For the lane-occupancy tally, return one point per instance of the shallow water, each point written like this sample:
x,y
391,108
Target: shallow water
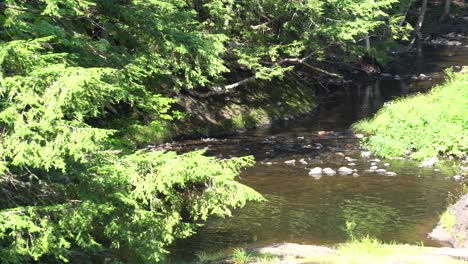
x,y
304,209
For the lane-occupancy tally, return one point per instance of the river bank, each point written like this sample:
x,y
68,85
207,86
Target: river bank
x,y
360,251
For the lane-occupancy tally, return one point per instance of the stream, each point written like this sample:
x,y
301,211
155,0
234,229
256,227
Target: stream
x,y
314,210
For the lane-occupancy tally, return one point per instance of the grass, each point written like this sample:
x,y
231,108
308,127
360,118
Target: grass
x,y
428,125
372,251
240,256
448,220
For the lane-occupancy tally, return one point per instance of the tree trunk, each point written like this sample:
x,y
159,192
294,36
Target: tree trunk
x,y
447,5
419,25
368,46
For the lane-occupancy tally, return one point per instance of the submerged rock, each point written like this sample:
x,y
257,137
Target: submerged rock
x,y
329,171
345,171
454,227
315,171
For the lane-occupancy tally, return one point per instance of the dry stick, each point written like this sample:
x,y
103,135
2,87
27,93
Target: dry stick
x,y
222,90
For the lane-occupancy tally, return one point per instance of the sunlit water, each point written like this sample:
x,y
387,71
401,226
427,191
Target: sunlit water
x,y
304,209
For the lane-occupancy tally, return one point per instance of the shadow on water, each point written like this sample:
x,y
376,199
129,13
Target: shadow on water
x,y
314,210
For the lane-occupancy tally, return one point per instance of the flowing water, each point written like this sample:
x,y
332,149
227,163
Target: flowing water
x,y
314,210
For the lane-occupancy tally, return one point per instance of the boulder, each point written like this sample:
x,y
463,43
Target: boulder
x,y
456,232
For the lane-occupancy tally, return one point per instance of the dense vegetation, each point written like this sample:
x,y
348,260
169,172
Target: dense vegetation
x,y
424,125
71,71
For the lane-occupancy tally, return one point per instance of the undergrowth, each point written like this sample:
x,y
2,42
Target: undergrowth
x,y
424,125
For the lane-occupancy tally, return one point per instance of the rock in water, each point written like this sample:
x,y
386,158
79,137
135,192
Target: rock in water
x,y
430,162
345,171
290,162
458,235
303,161
329,171
315,171
365,154
390,173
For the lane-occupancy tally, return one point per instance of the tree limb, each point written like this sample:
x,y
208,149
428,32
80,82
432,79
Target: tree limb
x,y
218,90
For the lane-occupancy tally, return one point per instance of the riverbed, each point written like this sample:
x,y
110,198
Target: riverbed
x,y
401,206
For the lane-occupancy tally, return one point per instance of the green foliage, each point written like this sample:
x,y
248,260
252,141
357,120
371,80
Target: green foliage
x,y
71,70
448,220
427,125
240,256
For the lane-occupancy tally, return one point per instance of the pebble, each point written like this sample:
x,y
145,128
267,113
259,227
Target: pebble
x,y
430,162
375,160
373,164
386,164
290,162
268,163
390,173
373,168
381,171
315,171
300,137
351,164
329,171
359,136
339,154
437,170
355,174
302,161
457,177
350,159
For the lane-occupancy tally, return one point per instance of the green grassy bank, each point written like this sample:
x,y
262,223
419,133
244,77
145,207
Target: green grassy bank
x,y
424,125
